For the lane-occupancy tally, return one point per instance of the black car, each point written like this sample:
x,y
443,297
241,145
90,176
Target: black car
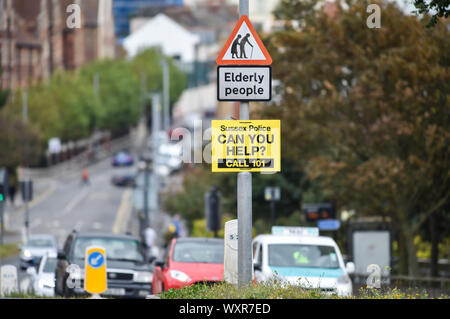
x,y
126,180
129,274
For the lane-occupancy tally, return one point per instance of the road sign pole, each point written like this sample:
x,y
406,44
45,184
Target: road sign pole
x,y
156,127
272,212
166,94
146,186
244,207
244,197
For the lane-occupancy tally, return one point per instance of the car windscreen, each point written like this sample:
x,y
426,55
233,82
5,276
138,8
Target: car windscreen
x,y
50,265
198,252
297,255
115,248
40,242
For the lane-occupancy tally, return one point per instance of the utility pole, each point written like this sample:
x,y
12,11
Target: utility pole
x,y
3,199
166,94
96,84
26,177
244,197
143,93
156,128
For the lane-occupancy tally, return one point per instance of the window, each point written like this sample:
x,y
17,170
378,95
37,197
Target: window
x,y
40,242
198,252
50,265
119,249
260,255
296,255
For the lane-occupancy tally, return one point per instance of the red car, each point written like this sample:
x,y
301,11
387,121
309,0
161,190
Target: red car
x,y
189,261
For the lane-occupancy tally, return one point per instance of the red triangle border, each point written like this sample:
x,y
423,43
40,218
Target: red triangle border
x,y
221,61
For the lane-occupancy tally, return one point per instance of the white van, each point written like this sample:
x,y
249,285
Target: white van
x,y
299,256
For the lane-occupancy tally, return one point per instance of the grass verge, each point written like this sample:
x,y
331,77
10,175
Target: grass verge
x,y
278,291
8,250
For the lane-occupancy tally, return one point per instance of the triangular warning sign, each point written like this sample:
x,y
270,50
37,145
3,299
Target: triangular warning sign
x,y
244,47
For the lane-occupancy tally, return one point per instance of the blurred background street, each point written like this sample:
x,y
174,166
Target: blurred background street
x,y
105,107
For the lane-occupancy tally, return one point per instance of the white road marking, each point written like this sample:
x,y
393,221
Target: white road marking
x,y
99,196
44,195
75,200
123,212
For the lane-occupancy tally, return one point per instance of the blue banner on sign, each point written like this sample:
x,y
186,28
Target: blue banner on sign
x,y
328,224
96,259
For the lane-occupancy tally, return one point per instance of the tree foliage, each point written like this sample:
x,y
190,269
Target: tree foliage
x,y
18,143
70,105
366,112
437,9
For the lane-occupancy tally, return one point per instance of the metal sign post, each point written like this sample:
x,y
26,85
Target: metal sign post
x,y
244,75
244,194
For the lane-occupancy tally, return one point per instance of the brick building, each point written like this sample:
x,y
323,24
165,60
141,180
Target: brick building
x,y
35,39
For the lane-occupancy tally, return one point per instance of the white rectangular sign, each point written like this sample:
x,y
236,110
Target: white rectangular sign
x,y
8,280
244,83
230,264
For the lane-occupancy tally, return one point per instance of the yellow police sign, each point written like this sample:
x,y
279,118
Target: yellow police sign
x,y
95,281
252,146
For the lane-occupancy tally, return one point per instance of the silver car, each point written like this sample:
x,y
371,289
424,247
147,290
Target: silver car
x,y
44,277
36,247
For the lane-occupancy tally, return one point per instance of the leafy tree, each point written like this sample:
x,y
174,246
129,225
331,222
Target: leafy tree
x,y
18,143
189,202
148,64
3,94
60,108
438,8
365,112
118,95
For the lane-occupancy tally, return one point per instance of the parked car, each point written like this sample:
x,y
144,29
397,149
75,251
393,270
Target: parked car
x,y
36,247
44,277
310,261
122,159
128,273
126,180
189,261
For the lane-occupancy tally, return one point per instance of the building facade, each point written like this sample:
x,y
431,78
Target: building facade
x,y
36,38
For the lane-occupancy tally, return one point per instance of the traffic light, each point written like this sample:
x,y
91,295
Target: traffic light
x,y
3,184
212,210
319,211
27,191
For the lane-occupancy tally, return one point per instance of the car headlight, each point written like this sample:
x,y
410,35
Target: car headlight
x,y
27,253
46,283
344,280
143,276
179,275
